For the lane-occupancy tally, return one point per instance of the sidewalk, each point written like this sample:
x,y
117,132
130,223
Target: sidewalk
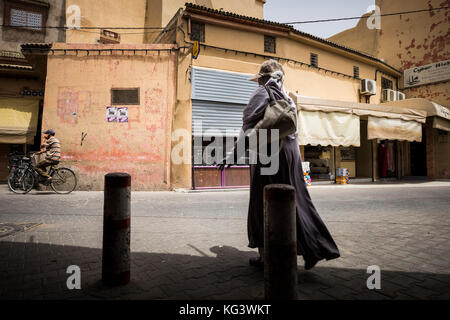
x,y
352,185
194,245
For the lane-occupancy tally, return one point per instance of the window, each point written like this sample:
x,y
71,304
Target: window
x,y
20,18
386,83
125,96
26,15
269,44
314,60
198,32
356,72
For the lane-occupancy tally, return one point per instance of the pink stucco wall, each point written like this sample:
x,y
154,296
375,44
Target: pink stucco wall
x,y
77,93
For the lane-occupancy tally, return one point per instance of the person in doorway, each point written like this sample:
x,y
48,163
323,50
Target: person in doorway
x,y
314,242
52,149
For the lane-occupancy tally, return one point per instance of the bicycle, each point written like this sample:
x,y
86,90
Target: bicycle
x,y
22,176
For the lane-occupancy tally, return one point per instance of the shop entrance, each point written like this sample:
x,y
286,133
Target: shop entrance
x,y
320,162
418,151
387,159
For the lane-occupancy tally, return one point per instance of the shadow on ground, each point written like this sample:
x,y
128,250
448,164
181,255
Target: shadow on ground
x,y
38,271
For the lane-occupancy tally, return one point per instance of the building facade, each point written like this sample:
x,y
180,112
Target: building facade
x,y
212,89
417,44
149,103
22,82
111,107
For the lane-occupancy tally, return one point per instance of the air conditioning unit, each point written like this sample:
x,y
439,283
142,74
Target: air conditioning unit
x,y
368,87
389,95
401,95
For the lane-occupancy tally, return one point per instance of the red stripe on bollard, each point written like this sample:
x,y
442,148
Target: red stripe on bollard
x,y
119,224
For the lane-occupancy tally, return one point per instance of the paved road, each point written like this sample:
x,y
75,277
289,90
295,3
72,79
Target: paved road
x,y
194,245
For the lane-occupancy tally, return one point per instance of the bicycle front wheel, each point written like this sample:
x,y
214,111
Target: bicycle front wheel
x,y
21,181
63,180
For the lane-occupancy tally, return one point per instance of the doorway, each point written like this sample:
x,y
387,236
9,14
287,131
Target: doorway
x,y
418,152
387,159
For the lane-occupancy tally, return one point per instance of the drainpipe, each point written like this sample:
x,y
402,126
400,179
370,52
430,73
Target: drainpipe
x,y
189,26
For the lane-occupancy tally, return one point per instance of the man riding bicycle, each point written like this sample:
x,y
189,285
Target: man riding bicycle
x,y
52,149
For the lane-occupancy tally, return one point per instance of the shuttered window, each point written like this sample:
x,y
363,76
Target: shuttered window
x,y
356,72
28,15
386,83
269,44
22,18
314,60
218,101
198,32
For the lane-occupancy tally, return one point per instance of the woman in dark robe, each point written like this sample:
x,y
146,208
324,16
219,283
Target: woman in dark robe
x,y
314,242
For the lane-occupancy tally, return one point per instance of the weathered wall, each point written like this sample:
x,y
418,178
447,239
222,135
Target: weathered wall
x,y
182,118
78,90
106,13
418,39
160,12
436,92
143,13
359,37
252,8
407,41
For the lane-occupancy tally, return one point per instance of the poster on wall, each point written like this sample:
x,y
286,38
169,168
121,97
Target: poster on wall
x,y
122,114
434,72
111,114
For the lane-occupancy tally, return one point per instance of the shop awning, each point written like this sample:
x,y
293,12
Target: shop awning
x,y
393,129
328,128
442,124
432,108
440,114
18,120
404,122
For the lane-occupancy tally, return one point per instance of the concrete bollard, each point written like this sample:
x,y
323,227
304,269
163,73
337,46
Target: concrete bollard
x,y
280,243
116,229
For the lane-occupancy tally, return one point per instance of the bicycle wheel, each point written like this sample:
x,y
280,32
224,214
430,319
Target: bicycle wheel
x,y
21,181
63,180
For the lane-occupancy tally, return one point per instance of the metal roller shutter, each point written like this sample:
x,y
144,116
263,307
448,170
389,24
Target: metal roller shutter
x,y
211,118
218,100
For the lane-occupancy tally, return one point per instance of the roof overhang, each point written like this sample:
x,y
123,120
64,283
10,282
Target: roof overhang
x,y
432,108
337,123
235,21
361,109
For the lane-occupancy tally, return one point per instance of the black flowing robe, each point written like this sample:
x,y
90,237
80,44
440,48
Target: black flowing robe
x,y
314,241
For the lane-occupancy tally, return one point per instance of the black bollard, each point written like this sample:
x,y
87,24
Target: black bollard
x,y
116,229
280,243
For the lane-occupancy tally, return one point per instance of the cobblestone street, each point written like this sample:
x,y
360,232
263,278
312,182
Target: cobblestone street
x,y
194,245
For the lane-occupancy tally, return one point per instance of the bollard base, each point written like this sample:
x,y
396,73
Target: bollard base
x,y
120,279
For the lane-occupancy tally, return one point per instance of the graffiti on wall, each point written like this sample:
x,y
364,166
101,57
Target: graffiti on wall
x,y
154,104
72,103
